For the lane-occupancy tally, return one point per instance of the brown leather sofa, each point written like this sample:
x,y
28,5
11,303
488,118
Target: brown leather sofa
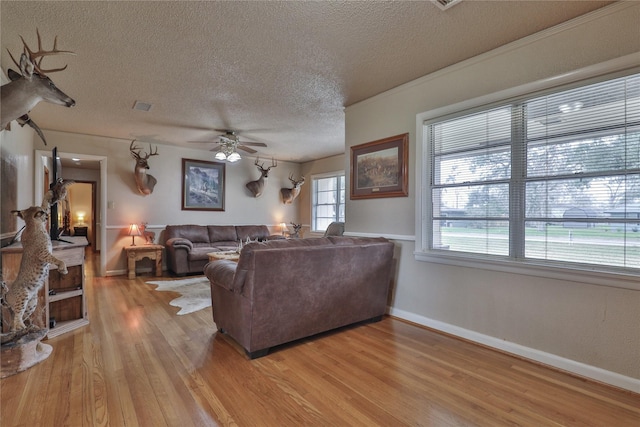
x,y
187,246
283,290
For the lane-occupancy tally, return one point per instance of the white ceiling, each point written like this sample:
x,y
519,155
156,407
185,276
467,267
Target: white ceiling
x,y
278,72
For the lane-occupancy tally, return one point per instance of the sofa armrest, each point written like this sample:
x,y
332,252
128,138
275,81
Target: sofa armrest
x,y
179,242
221,273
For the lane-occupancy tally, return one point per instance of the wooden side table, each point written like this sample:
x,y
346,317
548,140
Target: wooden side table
x,y
137,253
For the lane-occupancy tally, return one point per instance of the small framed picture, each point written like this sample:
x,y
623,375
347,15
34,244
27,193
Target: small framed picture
x,y
379,168
203,185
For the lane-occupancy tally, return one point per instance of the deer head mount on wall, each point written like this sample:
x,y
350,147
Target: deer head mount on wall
x,y
30,87
144,181
290,194
257,187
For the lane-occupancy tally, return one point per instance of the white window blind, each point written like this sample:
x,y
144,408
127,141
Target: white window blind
x,y
553,177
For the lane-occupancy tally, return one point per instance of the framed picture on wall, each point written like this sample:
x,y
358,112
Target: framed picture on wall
x,y
203,185
379,168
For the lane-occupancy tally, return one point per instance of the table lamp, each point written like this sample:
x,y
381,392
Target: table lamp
x,y
134,231
284,228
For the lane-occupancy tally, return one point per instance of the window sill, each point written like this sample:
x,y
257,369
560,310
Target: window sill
x,y
582,274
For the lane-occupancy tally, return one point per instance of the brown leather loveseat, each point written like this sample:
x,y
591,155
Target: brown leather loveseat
x,y
283,290
187,246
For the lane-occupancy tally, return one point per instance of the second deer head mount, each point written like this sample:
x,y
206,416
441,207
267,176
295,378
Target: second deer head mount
x,y
257,187
290,194
144,181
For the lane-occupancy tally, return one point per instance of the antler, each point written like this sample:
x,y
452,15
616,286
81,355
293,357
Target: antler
x,y
295,182
274,163
40,53
135,154
151,152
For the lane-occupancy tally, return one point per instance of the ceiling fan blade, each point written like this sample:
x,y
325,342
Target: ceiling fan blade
x,y
247,149
253,144
202,142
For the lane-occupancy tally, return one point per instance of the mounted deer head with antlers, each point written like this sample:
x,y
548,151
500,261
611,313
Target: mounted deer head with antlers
x,y
144,181
30,87
290,194
257,187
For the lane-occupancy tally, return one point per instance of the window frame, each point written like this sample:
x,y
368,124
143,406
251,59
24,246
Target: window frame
x,y
314,179
590,274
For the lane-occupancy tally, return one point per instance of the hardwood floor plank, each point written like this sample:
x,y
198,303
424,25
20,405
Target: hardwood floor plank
x,y
139,364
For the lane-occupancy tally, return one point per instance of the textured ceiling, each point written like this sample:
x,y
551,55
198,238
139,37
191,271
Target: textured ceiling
x,y
278,72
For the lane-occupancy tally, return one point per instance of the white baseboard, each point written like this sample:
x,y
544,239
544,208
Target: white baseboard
x,y
595,373
116,273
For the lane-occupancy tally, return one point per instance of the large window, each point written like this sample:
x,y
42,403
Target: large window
x,y
552,178
327,200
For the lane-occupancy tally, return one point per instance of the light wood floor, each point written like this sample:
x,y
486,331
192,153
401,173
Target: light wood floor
x,y
138,364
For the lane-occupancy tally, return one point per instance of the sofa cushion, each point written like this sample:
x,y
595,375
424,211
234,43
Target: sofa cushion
x,y
222,233
195,233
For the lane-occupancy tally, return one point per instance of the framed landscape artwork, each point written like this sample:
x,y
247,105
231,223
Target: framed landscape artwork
x,y
379,168
203,185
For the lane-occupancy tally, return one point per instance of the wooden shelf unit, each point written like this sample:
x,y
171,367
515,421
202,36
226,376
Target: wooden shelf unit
x,y
63,296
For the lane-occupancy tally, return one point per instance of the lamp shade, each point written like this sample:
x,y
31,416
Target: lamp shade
x,y
220,156
134,231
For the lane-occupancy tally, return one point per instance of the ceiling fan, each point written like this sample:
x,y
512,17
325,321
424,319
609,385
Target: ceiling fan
x,y
229,143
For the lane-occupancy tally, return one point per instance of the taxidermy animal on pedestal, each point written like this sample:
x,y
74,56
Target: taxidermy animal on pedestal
x,y
22,296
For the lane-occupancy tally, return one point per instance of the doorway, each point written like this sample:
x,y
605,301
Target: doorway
x,y
43,159
82,206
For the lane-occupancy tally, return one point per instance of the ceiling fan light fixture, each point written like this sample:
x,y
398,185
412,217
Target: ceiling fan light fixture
x,y
220,156
233,157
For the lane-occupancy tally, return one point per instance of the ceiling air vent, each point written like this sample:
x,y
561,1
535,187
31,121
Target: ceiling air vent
x,y
141,106
446,4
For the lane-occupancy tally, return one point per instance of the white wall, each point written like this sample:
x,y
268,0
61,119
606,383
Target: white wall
x,y
125,205
588,329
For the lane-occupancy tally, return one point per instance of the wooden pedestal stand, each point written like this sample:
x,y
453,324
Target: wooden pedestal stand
x,y
17,356
62,298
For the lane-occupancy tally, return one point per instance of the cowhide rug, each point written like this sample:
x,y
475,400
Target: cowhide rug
x,y
195,293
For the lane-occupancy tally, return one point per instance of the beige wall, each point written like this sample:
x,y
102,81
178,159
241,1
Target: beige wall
x,y
589,329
